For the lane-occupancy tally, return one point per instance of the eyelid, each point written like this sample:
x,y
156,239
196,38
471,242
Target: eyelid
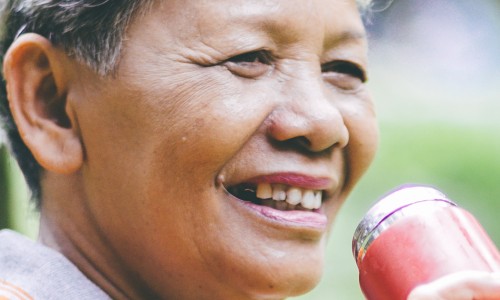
x,y
251,56
250,64
345,67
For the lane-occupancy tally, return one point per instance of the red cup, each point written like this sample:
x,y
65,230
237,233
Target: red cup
x,y
414,235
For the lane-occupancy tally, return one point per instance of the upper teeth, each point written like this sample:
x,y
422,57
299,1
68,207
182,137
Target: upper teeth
x,y
310,199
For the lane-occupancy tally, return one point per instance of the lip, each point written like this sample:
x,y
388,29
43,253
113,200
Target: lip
x,y
309,223
295,179
313,222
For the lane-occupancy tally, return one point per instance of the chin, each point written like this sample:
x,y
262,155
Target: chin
x,y
296,286
283,281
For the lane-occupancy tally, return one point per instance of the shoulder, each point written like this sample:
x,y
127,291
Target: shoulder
x,y
29,270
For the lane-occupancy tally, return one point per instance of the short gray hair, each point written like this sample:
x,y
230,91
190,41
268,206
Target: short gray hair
x,y
90,31
364,5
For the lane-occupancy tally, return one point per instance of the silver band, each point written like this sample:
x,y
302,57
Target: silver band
x,y
392,207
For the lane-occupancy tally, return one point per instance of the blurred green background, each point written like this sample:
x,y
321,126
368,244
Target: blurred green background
x,y
435,75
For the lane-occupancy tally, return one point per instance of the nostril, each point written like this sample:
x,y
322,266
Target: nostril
x,y
302,142
303,145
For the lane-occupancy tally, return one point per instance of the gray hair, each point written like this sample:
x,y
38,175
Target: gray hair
x,y
90,31
364,4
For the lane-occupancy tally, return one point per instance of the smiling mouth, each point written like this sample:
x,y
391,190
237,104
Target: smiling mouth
x,y
278,196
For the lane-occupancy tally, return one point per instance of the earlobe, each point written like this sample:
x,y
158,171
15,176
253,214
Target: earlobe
x,y
36,75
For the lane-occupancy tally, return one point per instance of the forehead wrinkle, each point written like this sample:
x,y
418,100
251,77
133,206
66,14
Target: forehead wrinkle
x,y
266,19
351,31
345,37
286,25
292,25
231,30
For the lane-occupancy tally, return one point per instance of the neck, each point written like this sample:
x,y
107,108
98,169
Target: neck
x,y
67,226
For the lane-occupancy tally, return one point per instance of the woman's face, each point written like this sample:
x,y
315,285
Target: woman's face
x,y
216,108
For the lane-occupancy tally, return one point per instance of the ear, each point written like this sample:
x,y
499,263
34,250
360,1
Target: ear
x,y
37,76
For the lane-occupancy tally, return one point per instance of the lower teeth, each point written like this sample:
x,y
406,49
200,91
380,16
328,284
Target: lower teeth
x,y
281,205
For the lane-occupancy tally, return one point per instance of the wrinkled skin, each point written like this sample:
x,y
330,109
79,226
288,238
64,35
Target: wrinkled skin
x,y
137,164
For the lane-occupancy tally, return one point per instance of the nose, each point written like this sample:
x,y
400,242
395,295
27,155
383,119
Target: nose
x,y
308,116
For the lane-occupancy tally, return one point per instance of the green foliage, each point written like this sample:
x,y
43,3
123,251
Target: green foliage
x,y
462,161
16,211
4,189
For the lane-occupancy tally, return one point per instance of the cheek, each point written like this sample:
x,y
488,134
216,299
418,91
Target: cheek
x,y
167,142
202,129
360,119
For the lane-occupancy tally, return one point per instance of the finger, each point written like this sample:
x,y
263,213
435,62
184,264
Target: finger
x,y
469,285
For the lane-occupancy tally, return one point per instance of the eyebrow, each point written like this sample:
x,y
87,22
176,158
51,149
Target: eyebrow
x,y
346,36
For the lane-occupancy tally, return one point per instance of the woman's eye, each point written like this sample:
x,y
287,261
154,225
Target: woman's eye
x,y
344,75
250,64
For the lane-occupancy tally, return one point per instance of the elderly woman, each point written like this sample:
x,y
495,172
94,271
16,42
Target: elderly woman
x,y
186,149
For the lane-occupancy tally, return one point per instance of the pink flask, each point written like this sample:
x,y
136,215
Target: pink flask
x,y
414,235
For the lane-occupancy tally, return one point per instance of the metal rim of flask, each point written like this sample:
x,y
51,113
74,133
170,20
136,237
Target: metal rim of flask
x,y
398,203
